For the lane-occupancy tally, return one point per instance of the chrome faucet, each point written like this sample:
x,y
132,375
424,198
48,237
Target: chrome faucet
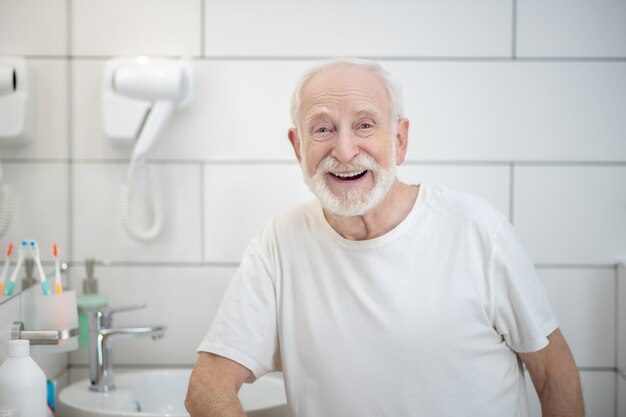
x,y
102,335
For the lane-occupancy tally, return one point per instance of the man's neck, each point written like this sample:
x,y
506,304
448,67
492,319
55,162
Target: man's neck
x,y
383,218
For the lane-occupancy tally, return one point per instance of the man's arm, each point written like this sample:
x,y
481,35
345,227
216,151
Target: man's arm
x,y
555,377
213,387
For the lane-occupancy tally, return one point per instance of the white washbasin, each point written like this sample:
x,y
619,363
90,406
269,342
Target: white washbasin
x,y
160,393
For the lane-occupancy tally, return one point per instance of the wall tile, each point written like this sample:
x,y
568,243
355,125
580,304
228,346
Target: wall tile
x,y
571,214
40,204
97,228
239,199
52,364
488,182
323,28
467,111
144,27
50,131
584,304
621,319
164,290
19,18
515,111
621,396
598,394
10,311
565,28
240,110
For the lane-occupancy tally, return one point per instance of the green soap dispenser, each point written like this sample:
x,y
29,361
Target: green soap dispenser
x,y
87,301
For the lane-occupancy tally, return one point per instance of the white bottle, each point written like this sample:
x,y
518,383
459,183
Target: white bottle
x,y
22,382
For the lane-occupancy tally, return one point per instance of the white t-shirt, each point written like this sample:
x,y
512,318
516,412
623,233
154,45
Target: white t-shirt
x,y
422,321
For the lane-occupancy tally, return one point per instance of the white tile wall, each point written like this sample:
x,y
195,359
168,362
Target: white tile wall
x,y
571,214
40,206
621,319
10,311
598,395
621,396
465,111
238,199
512,111
136,27
584,304
489,182
571,28
97,228
19,18
224,121
353,27
49,81
185,299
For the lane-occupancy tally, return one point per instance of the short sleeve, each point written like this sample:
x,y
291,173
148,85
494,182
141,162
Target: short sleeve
x,y
522,312
244,329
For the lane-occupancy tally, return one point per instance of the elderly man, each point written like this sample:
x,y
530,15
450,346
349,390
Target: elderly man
x,y
381,298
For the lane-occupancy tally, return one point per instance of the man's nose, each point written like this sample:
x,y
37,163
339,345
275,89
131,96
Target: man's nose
x,y
346,147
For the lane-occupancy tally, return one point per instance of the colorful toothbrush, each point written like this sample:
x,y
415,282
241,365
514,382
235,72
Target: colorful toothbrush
x,y
20,258
42,276
58,287
7,262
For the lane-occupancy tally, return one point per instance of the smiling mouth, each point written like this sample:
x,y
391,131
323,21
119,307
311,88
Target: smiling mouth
x,y
348,176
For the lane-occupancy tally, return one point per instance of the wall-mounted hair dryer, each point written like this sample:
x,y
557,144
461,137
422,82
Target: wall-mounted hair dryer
x,y
138,98
16,120
16,101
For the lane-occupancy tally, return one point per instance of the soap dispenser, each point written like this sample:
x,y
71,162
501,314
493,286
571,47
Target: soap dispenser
x,y
89,300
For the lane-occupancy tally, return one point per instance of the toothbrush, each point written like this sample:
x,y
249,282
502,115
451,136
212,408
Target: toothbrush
x,y
58,288
20,258
7,262
42,276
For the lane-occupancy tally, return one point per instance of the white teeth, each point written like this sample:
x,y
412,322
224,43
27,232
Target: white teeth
x,y
348,174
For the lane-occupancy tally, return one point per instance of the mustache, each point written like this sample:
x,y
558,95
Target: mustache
x,y
362,161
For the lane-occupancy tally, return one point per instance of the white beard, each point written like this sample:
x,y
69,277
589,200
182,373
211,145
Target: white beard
x,y
353,202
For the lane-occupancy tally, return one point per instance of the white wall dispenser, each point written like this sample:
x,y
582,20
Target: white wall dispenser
x,y
16,120
139,96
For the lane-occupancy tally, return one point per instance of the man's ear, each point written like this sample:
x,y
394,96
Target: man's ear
x,y
294,139
402,138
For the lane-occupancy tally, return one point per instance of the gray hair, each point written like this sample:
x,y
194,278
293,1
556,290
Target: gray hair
x,y
393,90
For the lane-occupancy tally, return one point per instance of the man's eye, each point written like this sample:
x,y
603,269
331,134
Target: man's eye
x,y
322,130
365,126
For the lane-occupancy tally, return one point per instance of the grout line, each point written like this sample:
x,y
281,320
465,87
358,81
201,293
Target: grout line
x,y
157,264
70,142
202,212
226,58
514,31
202,27
511,192
596,369
621,374
204,263
118,161
608,267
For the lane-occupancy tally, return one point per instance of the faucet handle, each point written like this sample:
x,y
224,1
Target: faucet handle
x,y
105,315
107,312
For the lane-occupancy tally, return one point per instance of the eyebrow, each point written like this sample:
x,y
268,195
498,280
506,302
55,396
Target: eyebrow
x,y
318,111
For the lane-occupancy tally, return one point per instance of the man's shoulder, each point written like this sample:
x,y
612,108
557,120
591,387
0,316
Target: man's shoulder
x,y
462,206
293,219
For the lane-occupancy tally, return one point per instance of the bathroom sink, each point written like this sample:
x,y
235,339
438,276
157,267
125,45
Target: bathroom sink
x,y
160,393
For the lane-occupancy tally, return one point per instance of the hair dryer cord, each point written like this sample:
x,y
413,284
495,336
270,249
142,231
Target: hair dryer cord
x,y
132,229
